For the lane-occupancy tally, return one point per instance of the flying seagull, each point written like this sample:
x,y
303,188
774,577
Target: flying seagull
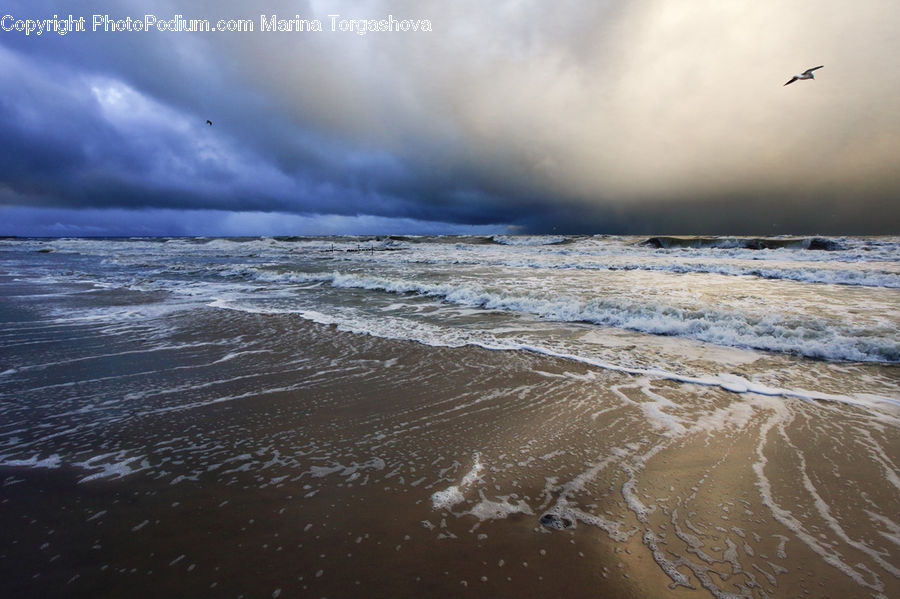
x,y
209,122
807,74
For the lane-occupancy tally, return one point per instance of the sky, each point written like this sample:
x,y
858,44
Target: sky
x,y
515,116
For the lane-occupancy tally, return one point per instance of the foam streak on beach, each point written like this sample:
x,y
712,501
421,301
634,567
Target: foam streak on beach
x,y
450,416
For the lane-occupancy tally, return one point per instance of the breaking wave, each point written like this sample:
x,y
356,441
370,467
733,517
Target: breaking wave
x,y
529,239
807,335
748,243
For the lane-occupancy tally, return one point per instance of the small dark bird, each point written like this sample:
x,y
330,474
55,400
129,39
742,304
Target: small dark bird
x,y
209,122
807,74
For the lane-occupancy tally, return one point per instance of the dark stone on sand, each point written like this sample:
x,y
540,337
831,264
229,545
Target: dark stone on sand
x,y
556,522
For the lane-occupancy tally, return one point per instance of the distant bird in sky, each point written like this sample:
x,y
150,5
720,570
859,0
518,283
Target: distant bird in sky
x,y
807,74
209,122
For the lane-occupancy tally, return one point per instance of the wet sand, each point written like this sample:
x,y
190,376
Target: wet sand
x,y
223,454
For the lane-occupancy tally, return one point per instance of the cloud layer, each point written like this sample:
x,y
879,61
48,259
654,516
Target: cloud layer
x,y
584,117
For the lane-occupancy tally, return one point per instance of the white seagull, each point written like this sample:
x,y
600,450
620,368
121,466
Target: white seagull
x,y
807,74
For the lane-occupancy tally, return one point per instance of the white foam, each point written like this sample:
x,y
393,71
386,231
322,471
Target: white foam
x,y
352,471
893,532
121,466
138,527
433,335
452,495
52,461
444,500
669,567
528,240
770,331
824,510
822,548
611,527
487,509
741,266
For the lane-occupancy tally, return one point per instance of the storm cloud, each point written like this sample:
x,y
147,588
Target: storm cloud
x,y
600,117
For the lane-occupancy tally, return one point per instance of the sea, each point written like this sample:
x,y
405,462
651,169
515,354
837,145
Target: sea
x,y
505,416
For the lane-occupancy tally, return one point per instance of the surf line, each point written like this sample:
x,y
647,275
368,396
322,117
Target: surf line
x,y
734,385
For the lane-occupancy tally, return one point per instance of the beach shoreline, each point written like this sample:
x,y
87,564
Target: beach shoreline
x,y
337,472
264,417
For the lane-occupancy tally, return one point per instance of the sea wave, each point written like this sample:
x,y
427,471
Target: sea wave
x,y
529,239
809,336
439,336
749,243
829,273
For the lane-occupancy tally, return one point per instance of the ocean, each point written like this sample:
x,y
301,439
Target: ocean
x,y
504,416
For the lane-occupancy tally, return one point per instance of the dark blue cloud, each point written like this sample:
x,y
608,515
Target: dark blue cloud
x,y
79,133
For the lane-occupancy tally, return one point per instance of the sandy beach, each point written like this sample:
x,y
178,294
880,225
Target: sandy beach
x,y
264,456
